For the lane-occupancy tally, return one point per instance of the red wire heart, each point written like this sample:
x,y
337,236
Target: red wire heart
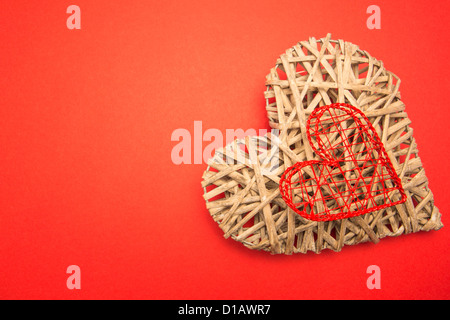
x,y
355,176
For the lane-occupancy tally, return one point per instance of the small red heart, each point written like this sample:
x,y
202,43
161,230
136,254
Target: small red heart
x,y
355,176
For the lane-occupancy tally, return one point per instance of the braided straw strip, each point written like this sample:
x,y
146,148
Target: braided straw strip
x,y
241,182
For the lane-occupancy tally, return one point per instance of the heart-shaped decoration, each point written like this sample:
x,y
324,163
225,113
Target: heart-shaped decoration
x,y
355,176
241,184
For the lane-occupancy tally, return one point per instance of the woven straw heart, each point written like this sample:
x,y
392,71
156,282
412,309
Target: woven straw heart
x,y
241,184
356,176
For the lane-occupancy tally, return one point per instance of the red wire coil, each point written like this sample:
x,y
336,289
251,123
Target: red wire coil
x,y
355,176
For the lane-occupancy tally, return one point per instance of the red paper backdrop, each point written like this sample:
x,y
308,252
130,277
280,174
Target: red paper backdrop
x,y
86,118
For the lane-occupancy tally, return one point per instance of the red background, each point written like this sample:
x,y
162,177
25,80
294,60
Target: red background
x,y
86,117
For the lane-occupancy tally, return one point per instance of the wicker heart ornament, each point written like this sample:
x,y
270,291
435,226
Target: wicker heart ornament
x,y
356,175
242,181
